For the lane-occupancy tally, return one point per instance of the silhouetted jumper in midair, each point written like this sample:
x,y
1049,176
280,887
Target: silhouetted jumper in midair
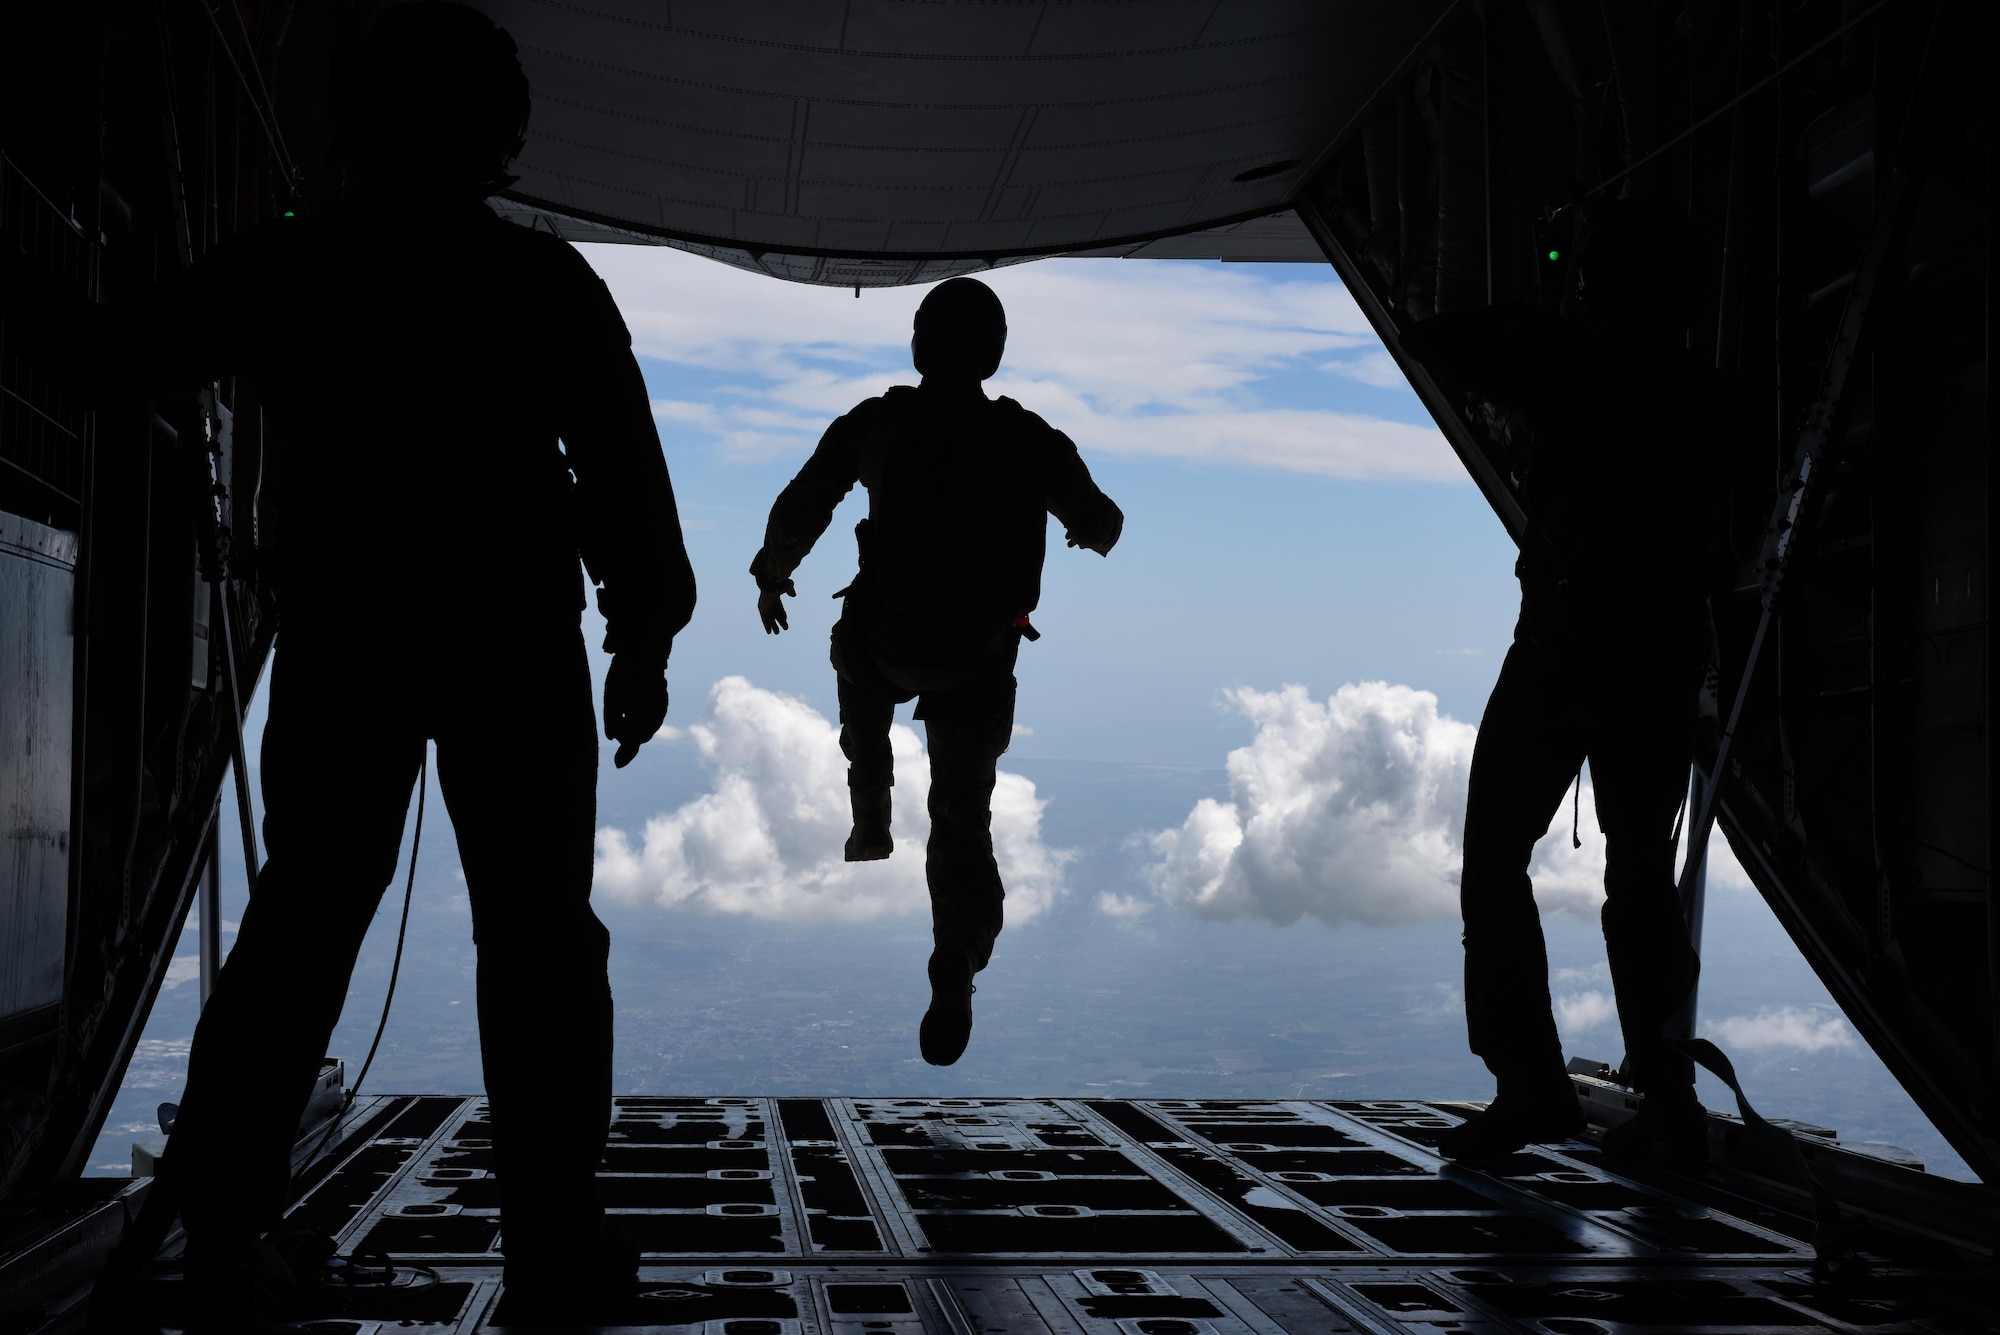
x,y
960,488
456,415
1634,458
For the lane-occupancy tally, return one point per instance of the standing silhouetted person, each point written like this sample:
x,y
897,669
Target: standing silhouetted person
x,y
1632,449
456,415
960,488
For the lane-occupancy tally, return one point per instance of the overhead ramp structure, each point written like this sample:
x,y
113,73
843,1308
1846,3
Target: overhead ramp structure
x,y
876,144
1835,162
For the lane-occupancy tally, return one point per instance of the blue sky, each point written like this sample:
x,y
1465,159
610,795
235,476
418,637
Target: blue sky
x,y
1292,514
1229,818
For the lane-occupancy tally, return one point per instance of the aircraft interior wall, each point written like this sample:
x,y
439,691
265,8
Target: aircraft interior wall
x,y
1833,167
128,146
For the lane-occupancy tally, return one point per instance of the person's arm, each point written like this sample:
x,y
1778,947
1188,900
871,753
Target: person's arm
x,y
630,527
1090,519
803,510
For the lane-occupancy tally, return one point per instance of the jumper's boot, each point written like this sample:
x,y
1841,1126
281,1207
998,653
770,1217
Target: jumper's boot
x,y
870,840
1670,1129
1523,1112
947,1025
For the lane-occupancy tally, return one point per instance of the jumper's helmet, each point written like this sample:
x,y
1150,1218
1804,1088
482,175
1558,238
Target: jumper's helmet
x,y
434,95
961,330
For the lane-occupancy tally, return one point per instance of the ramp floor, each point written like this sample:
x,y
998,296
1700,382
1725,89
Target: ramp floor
x,y
883,1216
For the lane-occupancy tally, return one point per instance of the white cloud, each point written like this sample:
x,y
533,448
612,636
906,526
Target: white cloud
x,y
1155,359
766,840
1350,810
181,969
1596,973
1782,1027
1296,440
1583,1011
1371,368
1114,905
1568,877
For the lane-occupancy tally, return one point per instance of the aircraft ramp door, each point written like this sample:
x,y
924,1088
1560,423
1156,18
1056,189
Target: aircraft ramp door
x,y
885,1216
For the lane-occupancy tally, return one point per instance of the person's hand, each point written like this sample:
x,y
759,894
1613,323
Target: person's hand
x,y
635,704
1107,535
771,608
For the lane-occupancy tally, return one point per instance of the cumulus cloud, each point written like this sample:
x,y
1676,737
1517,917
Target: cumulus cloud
x,y
1596,973
1114,905
1568,865
1151,359
1580,1012
1580,1009
1349,810
766,839
1778,1028
1295,440
1583,999
1371,368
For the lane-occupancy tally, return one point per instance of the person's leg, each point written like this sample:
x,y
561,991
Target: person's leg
x,y
867,711
1639,761
1526,757
865,718
340,754
523,799
967,731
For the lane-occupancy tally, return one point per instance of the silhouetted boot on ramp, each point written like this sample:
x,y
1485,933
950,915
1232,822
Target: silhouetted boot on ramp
x,y
1522,1113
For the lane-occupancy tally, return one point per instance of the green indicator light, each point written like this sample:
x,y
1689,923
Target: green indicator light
x,y
290,214
1554,255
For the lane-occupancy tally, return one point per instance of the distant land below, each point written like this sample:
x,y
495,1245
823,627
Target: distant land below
x,y
1076,1002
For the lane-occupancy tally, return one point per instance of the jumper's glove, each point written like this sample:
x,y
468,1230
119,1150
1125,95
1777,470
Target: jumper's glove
x,y
635,703
1109,529
771,606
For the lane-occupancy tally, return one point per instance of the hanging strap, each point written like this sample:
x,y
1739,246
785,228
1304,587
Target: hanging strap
x,y
1834,1240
